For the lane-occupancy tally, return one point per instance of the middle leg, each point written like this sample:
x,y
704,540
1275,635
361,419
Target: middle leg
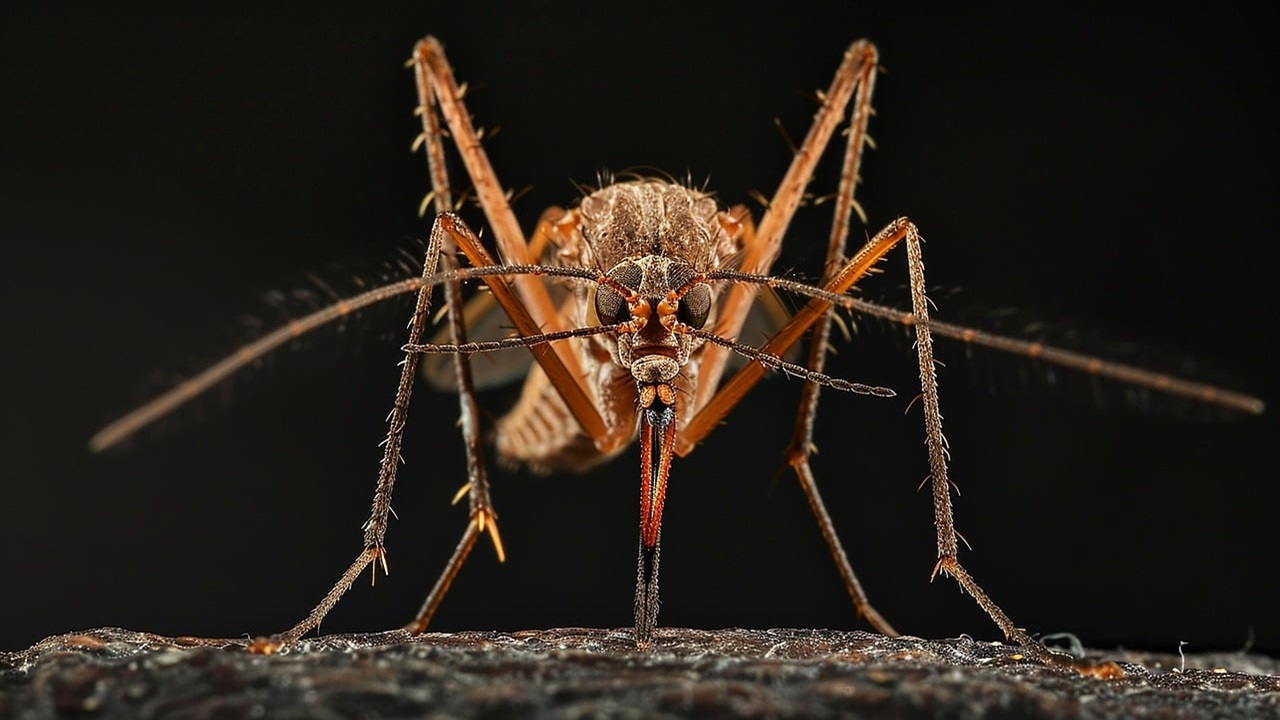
x,y
802,446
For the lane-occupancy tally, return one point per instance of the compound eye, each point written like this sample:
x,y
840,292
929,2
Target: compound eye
x,y
695,306
611,306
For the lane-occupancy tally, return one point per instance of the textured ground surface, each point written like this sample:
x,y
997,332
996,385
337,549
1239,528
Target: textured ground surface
x,y
600,673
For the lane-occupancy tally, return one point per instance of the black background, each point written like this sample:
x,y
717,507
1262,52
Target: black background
x,y
1112,173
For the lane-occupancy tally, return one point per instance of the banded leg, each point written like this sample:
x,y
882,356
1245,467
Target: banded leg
x,y
714,401
899,231
447,229
482,514
745,379
525,299
856,73
375,529
943,519
732,391
480,506
798,453
801,446
858,65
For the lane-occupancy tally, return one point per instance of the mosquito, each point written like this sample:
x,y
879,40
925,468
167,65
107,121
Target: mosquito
x,y
630,303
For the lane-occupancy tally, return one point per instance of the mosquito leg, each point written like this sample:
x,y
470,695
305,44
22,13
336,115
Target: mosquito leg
x,y
482,515
438,591
802,437
528,306
525,299
841,217
745,379
857,66
375,529
859,596
732,392
438,91
944,521
799,460
438,88
737,387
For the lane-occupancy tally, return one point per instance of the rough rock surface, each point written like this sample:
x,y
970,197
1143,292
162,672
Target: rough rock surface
x,y
600,673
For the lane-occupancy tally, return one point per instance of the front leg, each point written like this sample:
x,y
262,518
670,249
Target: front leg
x,y
375,528
948,547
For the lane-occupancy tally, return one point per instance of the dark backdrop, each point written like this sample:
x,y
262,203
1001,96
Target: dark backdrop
x,y
1111,174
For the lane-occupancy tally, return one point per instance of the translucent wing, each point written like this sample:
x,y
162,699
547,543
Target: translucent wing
x,y
484,321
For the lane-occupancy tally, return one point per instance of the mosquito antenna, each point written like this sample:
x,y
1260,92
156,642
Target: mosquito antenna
x,y
1089,364
773,362
250,352
471,348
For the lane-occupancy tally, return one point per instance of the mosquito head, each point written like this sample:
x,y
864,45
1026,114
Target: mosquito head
x,y
654,298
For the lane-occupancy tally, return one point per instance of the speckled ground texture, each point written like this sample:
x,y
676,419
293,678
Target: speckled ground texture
x,y
600,673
